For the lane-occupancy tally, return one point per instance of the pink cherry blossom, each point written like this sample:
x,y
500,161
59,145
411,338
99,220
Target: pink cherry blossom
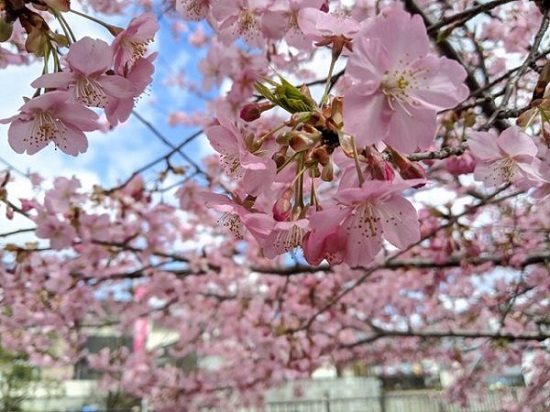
x,y
140,76
240,18
88,61
507,158
193,10
255,173
50,118
295,36
353,230
276,237
131,44
59,233
320,26
398,86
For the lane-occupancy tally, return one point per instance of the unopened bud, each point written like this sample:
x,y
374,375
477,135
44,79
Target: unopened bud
x,y
253,111
407,169
327,173
378,168
282,207
321,155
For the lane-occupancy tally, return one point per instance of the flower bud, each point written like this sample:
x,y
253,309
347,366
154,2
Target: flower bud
x,y
378,168
327,173
282,207
408,169
253,111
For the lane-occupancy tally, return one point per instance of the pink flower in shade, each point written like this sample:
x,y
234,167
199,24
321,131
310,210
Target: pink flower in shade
x,y
291,30
275,237
88,61
508,158
398,87
193,10
241,18
140,76
255,173
234,216
353,231
50,118
60,234
131,44
323,27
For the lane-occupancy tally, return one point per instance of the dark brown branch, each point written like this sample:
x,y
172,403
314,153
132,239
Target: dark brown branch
x,y
464,334
488,106
467,14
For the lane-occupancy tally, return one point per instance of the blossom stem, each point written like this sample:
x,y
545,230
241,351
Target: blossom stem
x,y
65,27
329,77
299,183
286,163
313,194
261,140
109,27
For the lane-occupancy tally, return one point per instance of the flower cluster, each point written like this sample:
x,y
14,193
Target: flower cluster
x,y
357,141
94,74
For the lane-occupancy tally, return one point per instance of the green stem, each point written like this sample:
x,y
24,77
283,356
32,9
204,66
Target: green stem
x,y
299,184
329,77
260,141
65,26
101,23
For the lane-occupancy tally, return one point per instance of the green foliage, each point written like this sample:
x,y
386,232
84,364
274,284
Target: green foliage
x,y
285,95
16,380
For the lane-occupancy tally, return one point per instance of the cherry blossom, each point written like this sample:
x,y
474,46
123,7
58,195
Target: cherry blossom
x,y
353,230
507,158
241,18
131,44
50,118
445,269
86,76
397,84
254,172
325,28
193,10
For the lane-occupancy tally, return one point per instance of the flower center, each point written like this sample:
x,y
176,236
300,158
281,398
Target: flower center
x,y
506,168
290,238
233,222
397,86
45,128
90,92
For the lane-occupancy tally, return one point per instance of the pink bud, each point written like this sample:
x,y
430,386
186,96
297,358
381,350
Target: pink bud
x,y
408,169
378,168
253,111
282,208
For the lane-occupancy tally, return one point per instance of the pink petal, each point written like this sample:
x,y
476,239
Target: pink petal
x,y
89,56
409,131
366,115
483,145
514,142
60,80
402,34
400,222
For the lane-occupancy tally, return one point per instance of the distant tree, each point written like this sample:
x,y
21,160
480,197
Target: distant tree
x,y
17,378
